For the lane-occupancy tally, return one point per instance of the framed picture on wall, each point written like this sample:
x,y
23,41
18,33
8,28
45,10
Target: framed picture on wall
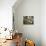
x,y
28,20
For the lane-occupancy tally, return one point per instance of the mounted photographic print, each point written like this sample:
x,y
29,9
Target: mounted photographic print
x,y
28,19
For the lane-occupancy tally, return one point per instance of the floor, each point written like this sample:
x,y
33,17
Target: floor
x,y
9,43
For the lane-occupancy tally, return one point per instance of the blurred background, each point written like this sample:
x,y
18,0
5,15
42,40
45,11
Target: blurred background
x,y
36,8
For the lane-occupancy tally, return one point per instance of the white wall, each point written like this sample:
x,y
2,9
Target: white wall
x,y
43,22
29,8
6,13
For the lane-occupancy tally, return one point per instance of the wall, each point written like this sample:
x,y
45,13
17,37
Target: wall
x,y
43,22
29,8
6,13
